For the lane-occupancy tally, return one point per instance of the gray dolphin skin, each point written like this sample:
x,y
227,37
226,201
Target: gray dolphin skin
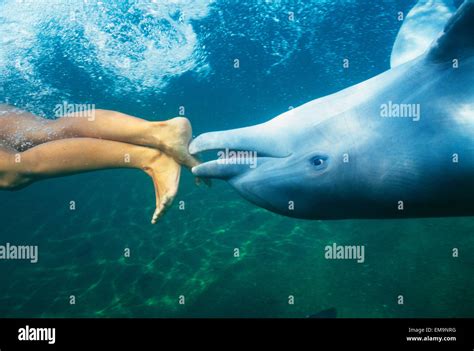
x,y
398,145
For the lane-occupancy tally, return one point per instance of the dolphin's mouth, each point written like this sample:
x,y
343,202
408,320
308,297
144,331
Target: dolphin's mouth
x,y
236,151
231,163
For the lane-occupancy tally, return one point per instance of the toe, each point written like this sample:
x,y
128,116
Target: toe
x,y
190,161
165,203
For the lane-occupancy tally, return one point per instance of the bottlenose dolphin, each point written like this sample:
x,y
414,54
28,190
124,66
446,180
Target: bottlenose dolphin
x,y
400,144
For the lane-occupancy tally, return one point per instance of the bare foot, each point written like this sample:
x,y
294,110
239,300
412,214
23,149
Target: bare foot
x,y
165,172
178,136
174,137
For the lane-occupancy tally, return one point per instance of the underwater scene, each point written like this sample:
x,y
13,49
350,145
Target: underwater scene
x,y
229,248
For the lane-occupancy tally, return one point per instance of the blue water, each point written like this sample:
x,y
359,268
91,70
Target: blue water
x,y
149,59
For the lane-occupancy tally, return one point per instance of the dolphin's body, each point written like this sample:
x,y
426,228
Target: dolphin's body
x,y
398,145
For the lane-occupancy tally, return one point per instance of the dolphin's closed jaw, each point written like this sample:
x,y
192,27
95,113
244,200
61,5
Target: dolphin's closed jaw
x,y
256,142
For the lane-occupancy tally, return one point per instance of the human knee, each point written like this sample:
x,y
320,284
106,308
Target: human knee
x,y
11,181
11,178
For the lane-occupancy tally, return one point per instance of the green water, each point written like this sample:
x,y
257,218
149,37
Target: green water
x,y
147,60
190,253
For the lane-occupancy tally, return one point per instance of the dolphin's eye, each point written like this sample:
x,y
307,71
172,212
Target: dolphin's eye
x,y
318,161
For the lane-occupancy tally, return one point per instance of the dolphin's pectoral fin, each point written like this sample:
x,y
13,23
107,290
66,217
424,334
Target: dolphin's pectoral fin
x,y
422,25
457,39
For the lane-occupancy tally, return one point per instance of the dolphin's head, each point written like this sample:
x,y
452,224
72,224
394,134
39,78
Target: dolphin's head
x,y
285,167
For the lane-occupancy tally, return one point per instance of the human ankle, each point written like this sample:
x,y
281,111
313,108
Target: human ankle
x,y
161,135
150,160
